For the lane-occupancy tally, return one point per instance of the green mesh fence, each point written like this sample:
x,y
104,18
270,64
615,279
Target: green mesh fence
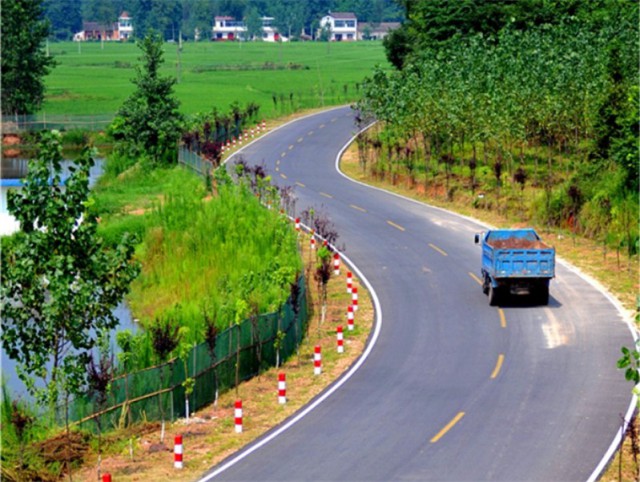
x,y
193,161
146,394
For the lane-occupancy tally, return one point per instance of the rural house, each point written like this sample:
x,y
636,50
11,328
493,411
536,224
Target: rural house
x,y
228,28
120,30
340,26
376,31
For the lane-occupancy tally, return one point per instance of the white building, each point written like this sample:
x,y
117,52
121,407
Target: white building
x,y
342,26
228,28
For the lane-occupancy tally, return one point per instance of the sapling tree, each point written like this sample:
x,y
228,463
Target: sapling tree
x,y
184,348
211,337
60,283
100,375
322,276
165,337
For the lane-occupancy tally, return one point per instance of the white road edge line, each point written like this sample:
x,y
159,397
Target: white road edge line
x,y
341,381
624,314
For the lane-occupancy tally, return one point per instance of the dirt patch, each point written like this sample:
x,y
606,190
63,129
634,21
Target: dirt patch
x,y
517,243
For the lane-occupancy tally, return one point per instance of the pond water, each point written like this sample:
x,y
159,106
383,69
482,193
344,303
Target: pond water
x,y
12,172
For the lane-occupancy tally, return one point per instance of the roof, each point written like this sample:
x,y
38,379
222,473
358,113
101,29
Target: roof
x,y
343,15
378,27
124,15
96,26
224,17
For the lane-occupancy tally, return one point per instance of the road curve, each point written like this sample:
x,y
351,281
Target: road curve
x,y
453,389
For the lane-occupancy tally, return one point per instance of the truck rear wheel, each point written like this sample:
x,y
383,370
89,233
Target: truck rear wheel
x,y
494,295
543,295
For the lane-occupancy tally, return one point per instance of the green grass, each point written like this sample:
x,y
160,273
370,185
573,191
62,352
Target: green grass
x,y
89,80
195,250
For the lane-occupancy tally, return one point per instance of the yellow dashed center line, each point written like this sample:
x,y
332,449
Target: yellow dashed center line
x,y
326,195
310,133
358,208
447,427
442,252
283,176
321,126
291,147
277,168
503,319
499,363
300,184
300,139
397,226
477,280
283,154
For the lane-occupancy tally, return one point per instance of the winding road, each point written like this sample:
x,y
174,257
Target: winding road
x,y
451,388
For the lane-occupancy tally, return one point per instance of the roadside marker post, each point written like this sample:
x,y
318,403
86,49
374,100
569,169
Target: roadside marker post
x,y
282,388
349,282
340,339
354,298
336,264
177,452
238,416
317,360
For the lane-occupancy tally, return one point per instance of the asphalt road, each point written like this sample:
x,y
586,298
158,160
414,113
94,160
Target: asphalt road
x,y
452,389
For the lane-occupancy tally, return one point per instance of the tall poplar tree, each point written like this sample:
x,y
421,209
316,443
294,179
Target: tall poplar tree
x,y
24,60
149,122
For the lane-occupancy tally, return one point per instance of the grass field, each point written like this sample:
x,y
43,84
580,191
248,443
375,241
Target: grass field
x,y
281,78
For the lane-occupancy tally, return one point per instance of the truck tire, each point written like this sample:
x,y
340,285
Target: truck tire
x,y
485,285
494,295
543,295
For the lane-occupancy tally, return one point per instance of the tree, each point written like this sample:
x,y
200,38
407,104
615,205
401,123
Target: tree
x,y
149,122
60,284
254,24
24,60
289,17
65,17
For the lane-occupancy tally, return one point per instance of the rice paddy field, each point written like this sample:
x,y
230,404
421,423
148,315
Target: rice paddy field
x,y
95,79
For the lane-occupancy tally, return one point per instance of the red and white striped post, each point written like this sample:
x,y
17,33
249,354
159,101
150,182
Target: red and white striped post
x,y
354,298
238,416
317,360
106,477
340,339
282,388
177,452
350,318
264,125
336,264
313,239
253,133
298,224
234,142
349,282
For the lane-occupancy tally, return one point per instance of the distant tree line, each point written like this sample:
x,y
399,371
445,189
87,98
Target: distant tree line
x,y
170,17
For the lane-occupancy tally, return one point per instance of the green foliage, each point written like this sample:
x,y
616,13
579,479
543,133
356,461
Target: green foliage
x,y
59,284
149,122
549,90
630,362
24,60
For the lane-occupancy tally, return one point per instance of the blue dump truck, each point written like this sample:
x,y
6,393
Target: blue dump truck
x,y
516,261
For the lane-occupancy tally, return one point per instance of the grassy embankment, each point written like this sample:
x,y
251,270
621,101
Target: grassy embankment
x,y
281,78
